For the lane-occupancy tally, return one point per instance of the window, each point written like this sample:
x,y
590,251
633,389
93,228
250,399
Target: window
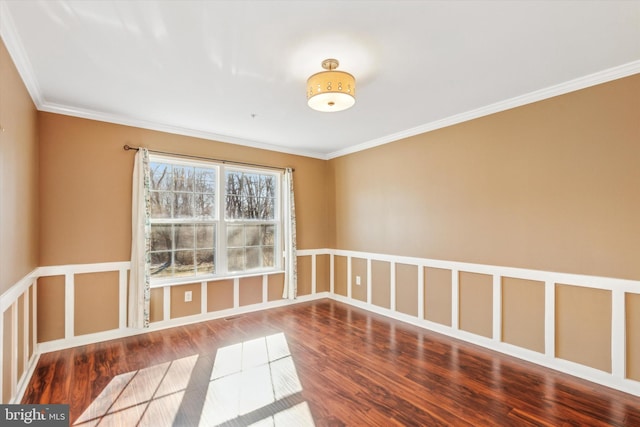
x,y
251,220
210,220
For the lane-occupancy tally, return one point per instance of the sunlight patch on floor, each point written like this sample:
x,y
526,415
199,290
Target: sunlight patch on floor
x,y
298,415
147,395
249,383
251,377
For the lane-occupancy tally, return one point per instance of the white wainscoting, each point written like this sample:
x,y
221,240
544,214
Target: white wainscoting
x,y
618,288
9,301
72,340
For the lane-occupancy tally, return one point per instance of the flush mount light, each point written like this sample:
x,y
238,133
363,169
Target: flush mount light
x,y
331,90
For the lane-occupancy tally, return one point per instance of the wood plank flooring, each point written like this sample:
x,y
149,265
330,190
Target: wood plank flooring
x,y
320,363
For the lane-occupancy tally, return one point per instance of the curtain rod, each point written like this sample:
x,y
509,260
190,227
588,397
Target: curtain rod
x,y
127,147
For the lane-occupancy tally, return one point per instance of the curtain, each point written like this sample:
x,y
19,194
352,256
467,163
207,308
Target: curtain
x,y
290,260
140,274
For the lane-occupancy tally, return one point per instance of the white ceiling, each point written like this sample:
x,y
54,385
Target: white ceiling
x,y
235,71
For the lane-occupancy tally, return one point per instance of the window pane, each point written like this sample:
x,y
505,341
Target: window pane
x,y
205,262
268,232
205,236
266,208
250,195
161,204
205,180
184,236
252,210
272,186
161,264
160,175
267,186
234,207
268,259
183,177
235,259
235,235
250,184
252,258
184,263
183,205
233,183
161,237
205,205
252,235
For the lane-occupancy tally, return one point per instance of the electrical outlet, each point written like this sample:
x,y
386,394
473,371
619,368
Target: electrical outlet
x,y
188,296
358,280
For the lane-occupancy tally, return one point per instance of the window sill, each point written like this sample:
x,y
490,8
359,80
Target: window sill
x,y
212,278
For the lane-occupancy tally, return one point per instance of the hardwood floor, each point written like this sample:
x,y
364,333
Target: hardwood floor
x,y
321,363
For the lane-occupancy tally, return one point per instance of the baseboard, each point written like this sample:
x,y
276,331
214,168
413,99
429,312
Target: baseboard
x,y
26,377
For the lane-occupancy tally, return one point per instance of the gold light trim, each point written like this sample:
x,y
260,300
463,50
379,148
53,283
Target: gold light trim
x,y
330,91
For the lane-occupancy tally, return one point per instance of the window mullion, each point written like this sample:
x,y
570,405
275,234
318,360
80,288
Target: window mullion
x,y
221,238
173,247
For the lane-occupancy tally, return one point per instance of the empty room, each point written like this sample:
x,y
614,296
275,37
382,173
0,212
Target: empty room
x,y
319,213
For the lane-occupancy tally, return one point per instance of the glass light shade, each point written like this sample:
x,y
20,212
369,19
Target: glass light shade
x,y
331,91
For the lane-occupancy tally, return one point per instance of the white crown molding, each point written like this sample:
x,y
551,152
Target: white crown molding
x,y
600,77
604,76
51,107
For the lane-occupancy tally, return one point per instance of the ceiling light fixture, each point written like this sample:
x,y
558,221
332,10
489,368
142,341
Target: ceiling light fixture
x,y
331,90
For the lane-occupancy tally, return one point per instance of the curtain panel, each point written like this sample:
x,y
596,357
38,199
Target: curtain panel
x,y
290,260
140,274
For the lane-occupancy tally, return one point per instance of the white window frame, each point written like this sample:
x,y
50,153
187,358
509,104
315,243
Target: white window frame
x,y
220,260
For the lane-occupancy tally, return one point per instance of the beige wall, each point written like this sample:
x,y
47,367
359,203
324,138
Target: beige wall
x,y
359,269
553,185
250,290
437,295
523,313
50,307
407,289
323,272
304,275
583,326
633,336
220,295
340,275
275,287
18,176
156,305
96,302
476,303
85,181
381,284
182,308
18,208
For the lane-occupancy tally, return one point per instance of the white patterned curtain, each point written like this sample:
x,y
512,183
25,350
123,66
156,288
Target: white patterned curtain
x,y
290,260
140,276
